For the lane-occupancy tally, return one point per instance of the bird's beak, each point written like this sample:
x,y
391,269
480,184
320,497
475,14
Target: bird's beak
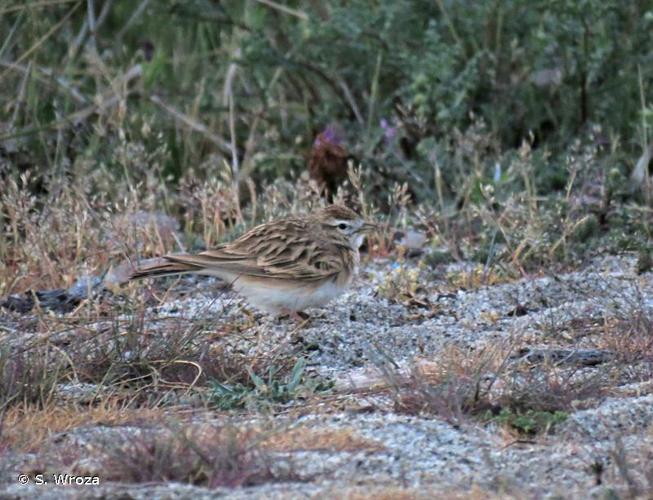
x,y
369,227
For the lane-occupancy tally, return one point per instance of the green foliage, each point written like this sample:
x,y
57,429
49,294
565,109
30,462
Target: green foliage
x,y
531,421
520,66
270,389
517,122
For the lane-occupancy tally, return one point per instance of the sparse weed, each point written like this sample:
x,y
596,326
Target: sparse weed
x,y
530,422
30,378
451,390
272,388
478,276
402,284
486,386
58,416
630,336
210,456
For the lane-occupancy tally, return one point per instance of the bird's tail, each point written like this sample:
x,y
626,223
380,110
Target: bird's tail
x,y
153,268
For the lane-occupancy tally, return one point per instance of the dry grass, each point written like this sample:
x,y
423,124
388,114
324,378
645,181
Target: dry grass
x,y
44,421
30,378
477,277
52,243
140,359
463,384
629,336
201,454
320,440
458,384
165,450
205,455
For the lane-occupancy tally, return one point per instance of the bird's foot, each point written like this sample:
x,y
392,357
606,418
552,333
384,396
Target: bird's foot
x,y
298,316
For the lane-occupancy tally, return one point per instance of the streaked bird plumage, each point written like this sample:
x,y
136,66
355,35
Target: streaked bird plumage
x,y
283,266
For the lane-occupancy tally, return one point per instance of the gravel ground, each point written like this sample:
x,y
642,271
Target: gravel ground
x,y
601,449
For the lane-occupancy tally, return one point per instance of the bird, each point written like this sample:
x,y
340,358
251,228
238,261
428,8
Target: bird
x,y
284,266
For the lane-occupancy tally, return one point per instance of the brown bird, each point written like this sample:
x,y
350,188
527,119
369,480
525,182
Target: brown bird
x,y
283,266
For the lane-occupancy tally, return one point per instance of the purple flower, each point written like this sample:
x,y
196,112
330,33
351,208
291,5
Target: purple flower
x,y
389,131
332,134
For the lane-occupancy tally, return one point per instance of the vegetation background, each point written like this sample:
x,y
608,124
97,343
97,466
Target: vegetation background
x,y
150,98
175,105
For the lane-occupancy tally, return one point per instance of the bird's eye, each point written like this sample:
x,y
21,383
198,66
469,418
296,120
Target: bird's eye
x,y
342,225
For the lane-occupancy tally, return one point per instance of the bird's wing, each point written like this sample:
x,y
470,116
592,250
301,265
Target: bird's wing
x,y
274,251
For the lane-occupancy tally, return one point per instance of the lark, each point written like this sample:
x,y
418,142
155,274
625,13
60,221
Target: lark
x,y
285,266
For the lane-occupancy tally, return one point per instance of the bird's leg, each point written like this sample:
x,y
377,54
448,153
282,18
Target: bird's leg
x,y
302,320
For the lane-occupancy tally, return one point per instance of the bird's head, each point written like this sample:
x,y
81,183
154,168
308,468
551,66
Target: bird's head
x,y
344,220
